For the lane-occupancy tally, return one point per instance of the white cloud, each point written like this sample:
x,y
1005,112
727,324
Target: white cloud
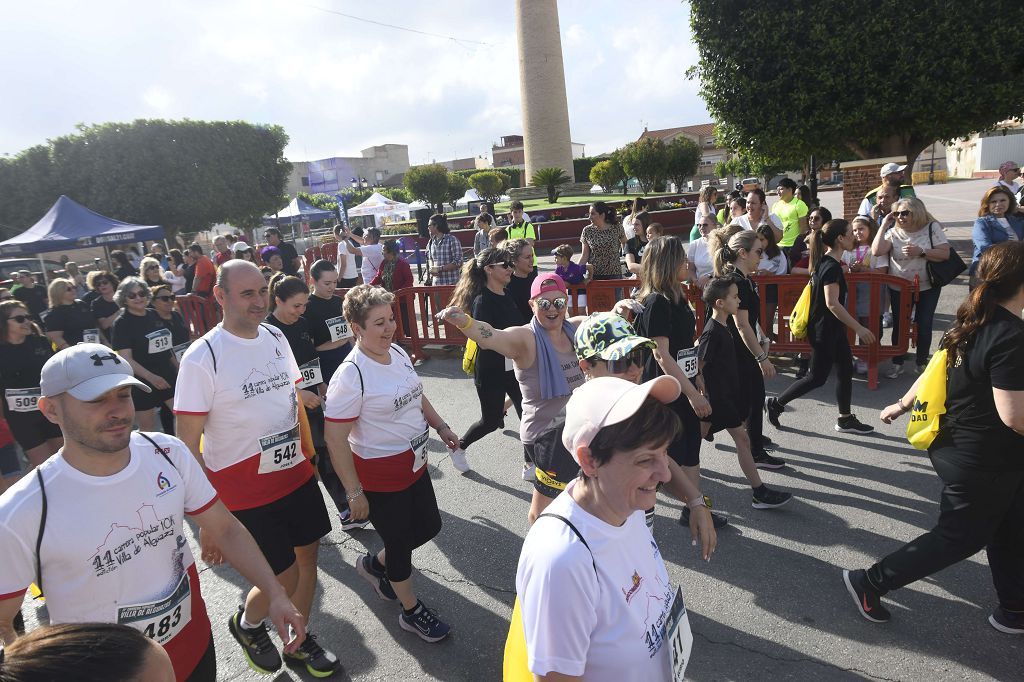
x,y
158,99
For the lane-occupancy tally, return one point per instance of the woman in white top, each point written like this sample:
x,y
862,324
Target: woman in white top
x,y
698,258
757,214
378,423
911,237
593,589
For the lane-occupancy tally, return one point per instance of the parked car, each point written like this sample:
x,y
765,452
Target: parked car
x,y
749,184
9,266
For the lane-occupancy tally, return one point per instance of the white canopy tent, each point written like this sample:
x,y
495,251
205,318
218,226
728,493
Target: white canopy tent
x,y
380,207
470,195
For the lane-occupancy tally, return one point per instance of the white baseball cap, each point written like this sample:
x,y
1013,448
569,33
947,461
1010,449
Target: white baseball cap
x,y
890,168
86,371
607,401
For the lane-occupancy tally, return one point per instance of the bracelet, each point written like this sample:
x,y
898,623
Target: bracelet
x,y
699,501
761,358
899,401
354,494
469,321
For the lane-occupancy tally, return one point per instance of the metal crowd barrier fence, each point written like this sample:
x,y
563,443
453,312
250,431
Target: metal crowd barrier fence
x,y
201,314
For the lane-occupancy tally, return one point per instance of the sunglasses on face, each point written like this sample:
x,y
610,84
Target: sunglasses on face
x,y
163,298
546,303
136,294
902,214
504,264
637,356
18,318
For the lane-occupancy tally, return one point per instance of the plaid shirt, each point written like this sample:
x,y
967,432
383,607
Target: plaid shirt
x,y
442,251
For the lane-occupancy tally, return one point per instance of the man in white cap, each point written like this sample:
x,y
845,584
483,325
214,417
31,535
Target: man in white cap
x,y
98,528
1009,172
892,174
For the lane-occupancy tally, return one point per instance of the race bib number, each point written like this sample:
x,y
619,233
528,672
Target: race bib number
x,y
161,620
687,361
22,399
180,349
280,451
159,341
338,328
311,374
419,450
678,636
91,335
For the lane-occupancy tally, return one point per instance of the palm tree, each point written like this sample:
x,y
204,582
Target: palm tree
x,y
549,178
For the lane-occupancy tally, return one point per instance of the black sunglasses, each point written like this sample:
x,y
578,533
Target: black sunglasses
x,y
902,214
18,318
163,298
637,356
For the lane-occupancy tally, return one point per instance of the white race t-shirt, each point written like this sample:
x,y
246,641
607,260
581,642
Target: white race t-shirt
x,y
373,255
606,626
114,542
246,389
698,254
346,264
766,218
909,267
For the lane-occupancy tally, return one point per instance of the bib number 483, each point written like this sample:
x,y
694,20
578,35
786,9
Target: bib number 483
x,y
163,626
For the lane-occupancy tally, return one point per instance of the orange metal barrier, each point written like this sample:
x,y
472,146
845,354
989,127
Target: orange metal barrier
x,y
201,314
415,310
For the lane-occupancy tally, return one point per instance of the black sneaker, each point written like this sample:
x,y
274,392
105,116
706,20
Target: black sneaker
x,y
379,581
718,520
424,623
773,410
767,443
1010,622
347,524
868,601
762,460
851,424
766,498
259,651
19,623
318,661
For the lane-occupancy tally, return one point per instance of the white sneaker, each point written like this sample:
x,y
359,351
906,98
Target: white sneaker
x,y
894,371
459,461
887,320
529,472
862,367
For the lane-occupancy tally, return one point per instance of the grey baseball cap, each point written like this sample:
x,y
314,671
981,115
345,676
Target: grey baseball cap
x,y
86,371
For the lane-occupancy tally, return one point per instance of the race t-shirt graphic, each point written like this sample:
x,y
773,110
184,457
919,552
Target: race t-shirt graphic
x,y
130,538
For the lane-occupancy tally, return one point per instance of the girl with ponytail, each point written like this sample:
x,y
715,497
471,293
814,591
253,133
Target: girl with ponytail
x,y
482,290
736,254
978,451
827,326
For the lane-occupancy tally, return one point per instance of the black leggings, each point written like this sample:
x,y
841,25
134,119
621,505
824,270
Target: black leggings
x,y
754,384
404,519
824,355
491,392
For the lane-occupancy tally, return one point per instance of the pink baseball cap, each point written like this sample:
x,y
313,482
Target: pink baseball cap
x,y
546,282
1007,166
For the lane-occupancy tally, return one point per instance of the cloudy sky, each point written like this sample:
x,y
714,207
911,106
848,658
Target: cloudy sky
x,y
338,84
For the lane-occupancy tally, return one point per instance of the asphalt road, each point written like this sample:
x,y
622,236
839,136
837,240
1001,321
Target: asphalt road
x,y
771,604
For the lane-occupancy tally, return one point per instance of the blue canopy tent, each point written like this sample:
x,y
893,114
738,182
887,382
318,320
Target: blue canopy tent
x,y
69,225
298,211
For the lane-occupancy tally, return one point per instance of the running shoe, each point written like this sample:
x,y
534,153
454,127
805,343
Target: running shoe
x,y
851,424
767,443
347,524
862,367
773,410
1012,623
19,623
260,652
424,623
717,519
867,599
762,460
919,369
766,498
894,371
459,461
529,472
379,581
318,661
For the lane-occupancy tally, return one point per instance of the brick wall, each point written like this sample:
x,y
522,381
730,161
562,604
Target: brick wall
x,y
860,177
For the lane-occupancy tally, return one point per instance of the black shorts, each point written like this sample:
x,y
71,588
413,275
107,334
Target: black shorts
x,y
147,401
32,429
685,449
348,282
9,462
296,520
555,466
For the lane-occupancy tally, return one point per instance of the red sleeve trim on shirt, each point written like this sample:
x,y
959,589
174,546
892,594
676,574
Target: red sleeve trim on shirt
x,y
12,595
331,419
206,506
197,414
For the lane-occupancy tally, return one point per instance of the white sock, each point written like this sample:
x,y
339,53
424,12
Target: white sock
x,y
244,622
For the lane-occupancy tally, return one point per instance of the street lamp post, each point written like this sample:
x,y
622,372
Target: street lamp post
x,y
931,169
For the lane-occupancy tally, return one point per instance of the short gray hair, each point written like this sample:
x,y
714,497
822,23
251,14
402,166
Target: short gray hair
x,y
128,285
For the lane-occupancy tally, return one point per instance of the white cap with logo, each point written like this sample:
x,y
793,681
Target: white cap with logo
x,y
86,371
890,168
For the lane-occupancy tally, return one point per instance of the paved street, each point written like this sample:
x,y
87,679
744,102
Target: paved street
x,y
771,604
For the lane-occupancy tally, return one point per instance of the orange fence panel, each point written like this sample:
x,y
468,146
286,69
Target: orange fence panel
x,y
201,314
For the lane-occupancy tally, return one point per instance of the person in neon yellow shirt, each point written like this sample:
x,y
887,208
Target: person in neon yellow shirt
x,y
520,228
791,211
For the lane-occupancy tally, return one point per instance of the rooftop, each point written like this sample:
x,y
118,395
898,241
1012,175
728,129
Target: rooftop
x,y
699,130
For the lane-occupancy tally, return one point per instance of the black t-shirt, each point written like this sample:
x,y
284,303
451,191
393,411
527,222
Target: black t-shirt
x,y
179,330
21,364
636,247
188,271
994,359
720,370
90,296
35,299
662,317
298,336
149,339
288,256
72,319
126,271
519,289
500,312
555,466
749,301
318,311
822,323
101,308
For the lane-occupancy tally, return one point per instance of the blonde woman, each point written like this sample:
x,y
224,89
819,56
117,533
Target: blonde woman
x,y
68,318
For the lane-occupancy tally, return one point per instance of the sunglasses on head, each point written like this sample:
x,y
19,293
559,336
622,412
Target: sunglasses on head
x,y
637,356
18,318
902,214
546,303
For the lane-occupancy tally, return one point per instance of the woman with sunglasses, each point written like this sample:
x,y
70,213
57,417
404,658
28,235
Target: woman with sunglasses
x,y
163,303
519,254
912,237
482,290
800,253
23,352
542,353
68,318
142,338
151,272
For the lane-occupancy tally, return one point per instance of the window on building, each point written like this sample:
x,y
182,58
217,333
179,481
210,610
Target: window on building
x,y
305,181
709,142
379,176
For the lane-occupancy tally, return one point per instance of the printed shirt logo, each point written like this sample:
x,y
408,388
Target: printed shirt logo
x,y
98,359
637,581
162,482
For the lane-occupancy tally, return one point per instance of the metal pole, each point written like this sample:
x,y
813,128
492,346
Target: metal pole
x,y
814,177
931,169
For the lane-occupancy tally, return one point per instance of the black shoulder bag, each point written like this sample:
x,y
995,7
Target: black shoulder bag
x,y
941,273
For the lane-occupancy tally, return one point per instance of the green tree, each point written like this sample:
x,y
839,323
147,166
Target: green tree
x,y
646,160
550,179
924,86
682,158
608,174
750,164
397,194
457,187
183,175
488,184
429,183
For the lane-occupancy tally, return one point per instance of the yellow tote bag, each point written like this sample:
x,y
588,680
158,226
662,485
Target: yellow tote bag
x,y
515,667
469,357
801,314
929,404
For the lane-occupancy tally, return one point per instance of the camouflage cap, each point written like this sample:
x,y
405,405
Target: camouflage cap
x,y
607,336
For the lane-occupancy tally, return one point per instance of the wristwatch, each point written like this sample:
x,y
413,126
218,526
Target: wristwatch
x,y
702,501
